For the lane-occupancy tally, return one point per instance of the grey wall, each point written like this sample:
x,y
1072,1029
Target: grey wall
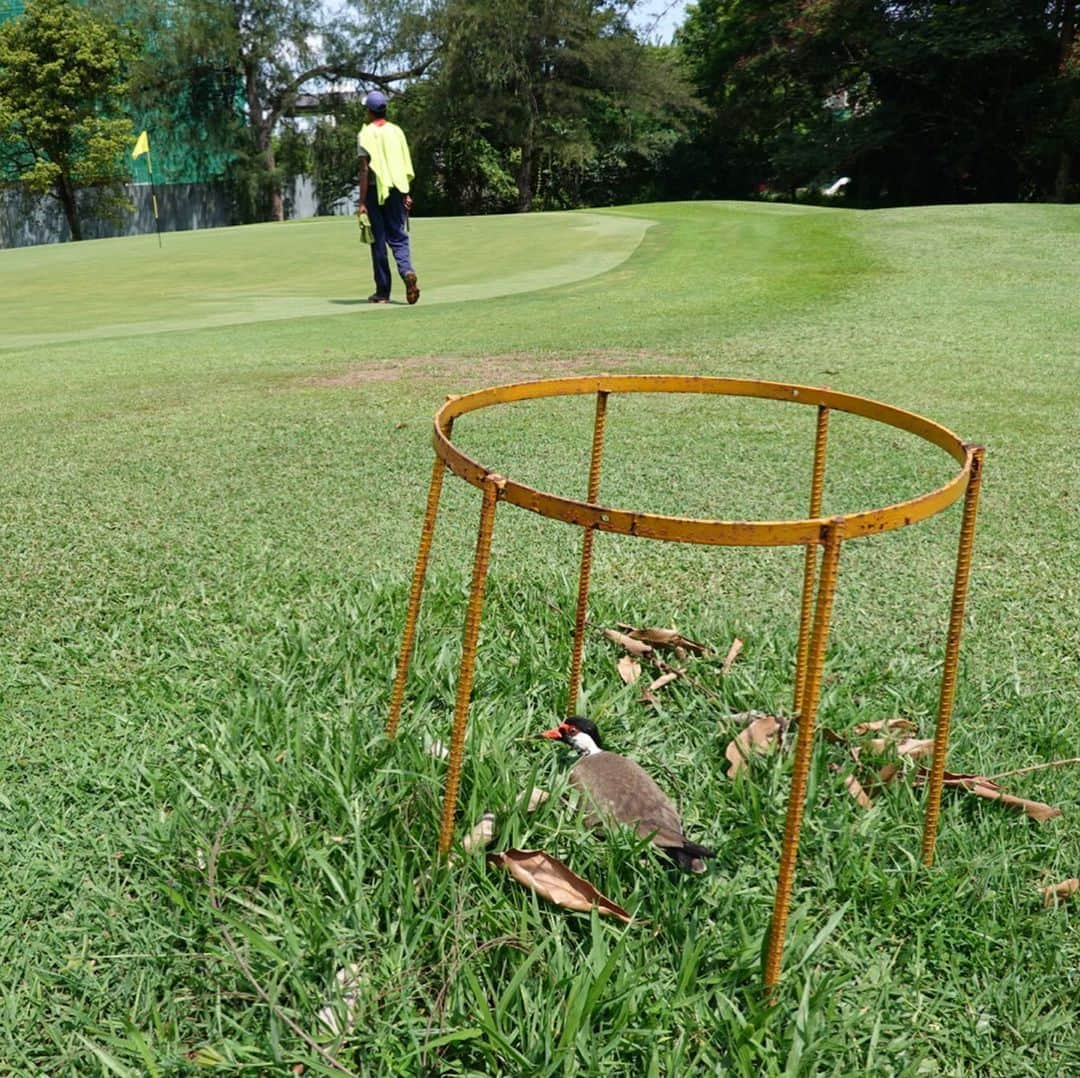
x,y
300,201
29,220
26,220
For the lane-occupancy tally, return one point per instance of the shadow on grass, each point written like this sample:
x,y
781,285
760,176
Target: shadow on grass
x,y
365,303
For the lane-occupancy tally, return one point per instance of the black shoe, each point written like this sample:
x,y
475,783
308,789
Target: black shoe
x,y
375,297
412,289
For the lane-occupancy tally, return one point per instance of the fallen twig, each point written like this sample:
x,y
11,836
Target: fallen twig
x,y
1034,767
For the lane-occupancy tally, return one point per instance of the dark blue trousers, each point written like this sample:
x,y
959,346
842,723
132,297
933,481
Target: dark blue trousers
x,y
388,224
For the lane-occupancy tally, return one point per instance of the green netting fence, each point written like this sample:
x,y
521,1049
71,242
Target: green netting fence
x,y
178,147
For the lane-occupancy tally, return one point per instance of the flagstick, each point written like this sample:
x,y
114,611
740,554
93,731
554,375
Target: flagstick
x,y
153,196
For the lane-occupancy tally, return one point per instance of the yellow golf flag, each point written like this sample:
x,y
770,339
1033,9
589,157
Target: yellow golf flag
x,y
142,145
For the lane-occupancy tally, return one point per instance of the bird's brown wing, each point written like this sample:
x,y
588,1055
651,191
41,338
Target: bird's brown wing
x,y
617,788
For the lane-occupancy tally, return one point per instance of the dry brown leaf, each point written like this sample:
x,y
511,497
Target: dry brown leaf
x,y
665,638
628,643
910,746
481,834
888,773
1057,893
746,717
852,784
668,638
686,644
648,695
981,786
900,726
664,679
537,798
1035,809
629,669
854,787
732,655
916,747
551,879
761,735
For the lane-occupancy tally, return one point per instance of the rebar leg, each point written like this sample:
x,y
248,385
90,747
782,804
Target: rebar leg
x,y
817,483
952,655
419,573
586,557
832,535
492,485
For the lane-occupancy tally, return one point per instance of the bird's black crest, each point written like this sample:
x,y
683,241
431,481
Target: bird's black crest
x,y
586,726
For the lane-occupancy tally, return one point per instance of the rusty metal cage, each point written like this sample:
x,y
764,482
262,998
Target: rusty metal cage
x,y
827,533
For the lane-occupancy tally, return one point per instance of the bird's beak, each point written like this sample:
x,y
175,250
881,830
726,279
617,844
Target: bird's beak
x,y
554,735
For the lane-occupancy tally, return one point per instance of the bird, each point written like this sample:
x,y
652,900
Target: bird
x,y
616,788
835,188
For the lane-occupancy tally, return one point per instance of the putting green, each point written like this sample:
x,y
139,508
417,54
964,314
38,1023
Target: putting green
x,y
218,277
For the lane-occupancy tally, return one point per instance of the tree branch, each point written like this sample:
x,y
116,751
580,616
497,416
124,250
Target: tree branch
x,y
285,97
336,71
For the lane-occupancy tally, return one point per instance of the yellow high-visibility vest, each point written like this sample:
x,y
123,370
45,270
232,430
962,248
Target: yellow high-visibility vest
x,y
389,157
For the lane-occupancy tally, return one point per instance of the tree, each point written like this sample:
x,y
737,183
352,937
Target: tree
x,y
554,96
249,60
62,92
917,100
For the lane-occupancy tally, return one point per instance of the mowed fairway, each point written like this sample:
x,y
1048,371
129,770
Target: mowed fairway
x,y
213,466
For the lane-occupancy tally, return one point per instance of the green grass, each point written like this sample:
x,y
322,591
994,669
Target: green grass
x,y
205,547
229,276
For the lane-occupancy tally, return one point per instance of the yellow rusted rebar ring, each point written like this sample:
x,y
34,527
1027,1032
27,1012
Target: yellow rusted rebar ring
x,y
827,533
686,529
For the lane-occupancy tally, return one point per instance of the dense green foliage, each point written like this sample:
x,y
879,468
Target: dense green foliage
x,y
543,102
558,103
62,91
921,101
521,104
226,74
183,90
210,522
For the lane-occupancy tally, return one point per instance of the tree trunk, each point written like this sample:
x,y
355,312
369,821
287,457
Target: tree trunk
x,y
66,196
277,203
273,208
1061,180
525,177
1068,14
262,123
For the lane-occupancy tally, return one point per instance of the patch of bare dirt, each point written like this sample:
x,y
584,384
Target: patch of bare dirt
x,y
475,372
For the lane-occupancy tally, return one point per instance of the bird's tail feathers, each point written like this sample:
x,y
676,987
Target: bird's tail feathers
x,y
690,856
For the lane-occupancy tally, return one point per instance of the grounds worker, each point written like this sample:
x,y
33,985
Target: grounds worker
x,y
385,172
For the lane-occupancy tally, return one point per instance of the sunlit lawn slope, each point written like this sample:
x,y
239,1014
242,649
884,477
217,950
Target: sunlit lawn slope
x,y
213,464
